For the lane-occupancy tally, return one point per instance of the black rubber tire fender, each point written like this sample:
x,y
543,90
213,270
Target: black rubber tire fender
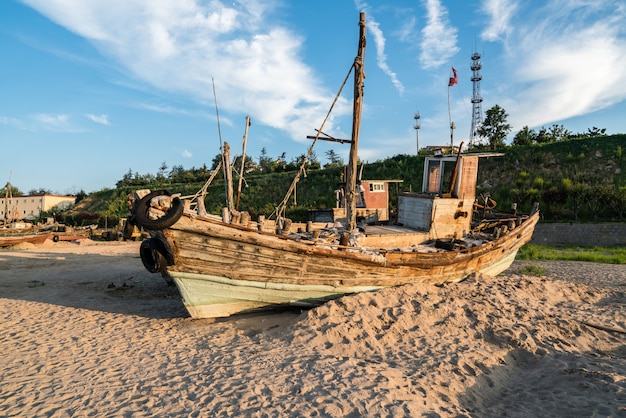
x,y
151,257
159,243
55,238
143,205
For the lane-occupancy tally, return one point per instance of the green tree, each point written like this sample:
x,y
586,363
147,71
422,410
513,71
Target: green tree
x,y
311,164
495,127
280,163
248,167
162,170
593,132
40,190
559,133
543,137
81,195
216,161
13,191
265,162
177,174
127,179
525,137
334,160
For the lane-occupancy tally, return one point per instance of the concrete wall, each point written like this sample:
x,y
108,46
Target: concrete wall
x,y
599,234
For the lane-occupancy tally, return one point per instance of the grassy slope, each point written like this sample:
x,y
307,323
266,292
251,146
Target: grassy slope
x,y
530,169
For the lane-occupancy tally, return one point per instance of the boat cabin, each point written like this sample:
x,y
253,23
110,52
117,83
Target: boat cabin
x,y
443,209
446,200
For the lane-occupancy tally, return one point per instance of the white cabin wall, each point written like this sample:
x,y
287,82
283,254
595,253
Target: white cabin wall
x,y
415,212
441,217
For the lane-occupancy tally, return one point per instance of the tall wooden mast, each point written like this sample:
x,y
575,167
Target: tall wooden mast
x,y
351,175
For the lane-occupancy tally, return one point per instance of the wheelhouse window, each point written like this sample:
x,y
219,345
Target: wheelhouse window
x,y
377,187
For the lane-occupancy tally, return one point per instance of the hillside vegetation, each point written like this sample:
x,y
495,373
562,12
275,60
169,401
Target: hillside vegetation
x,y
575,180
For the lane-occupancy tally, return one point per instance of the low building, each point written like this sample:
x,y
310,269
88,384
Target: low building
x,y
30,207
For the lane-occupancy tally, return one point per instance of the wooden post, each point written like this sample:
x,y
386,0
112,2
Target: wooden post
x,y
351,175
243,162
201,208
455,173
228,177
225,215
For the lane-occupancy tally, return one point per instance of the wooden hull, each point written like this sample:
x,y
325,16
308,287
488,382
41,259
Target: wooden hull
x,y
11,239
222,269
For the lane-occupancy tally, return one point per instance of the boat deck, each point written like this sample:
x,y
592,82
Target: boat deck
x,y
392,235
390,230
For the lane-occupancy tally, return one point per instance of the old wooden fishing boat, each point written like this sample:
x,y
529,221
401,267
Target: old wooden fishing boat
x,y
229,264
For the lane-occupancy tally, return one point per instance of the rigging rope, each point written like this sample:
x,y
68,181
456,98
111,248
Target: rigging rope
x,y
279,211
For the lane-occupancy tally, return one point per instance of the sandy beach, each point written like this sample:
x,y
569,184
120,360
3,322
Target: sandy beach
x,y
85,330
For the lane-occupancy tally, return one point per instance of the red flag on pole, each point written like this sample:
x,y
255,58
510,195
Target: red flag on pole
x,y
453,80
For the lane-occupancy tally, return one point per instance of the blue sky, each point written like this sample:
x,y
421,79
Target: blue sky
x,y
91,89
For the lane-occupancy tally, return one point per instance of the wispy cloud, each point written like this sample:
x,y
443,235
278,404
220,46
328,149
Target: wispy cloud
x,y
160,108
186,154
50,122
439,37
380,41
407,31
16,123
381,56
101,119
180,46
566,60
499,13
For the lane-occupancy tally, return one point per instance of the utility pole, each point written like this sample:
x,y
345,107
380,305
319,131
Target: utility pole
x,y
417,127
452,128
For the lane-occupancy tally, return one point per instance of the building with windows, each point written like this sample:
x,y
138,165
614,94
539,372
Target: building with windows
x,y
372,203
18,208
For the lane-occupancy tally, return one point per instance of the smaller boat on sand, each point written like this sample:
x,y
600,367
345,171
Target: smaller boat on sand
x,y
8,239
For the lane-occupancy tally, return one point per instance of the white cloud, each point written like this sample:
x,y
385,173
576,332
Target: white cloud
x,y
179,46
500,13
439,38
53,122
381,57
379,41
101,119
567,60
407,31
4,120
161,108
186,154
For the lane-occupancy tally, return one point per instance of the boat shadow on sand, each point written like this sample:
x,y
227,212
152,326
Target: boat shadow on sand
x,y
116,284
108,283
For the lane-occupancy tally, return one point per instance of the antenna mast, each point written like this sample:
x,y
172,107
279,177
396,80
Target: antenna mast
x,y
417,127
477,100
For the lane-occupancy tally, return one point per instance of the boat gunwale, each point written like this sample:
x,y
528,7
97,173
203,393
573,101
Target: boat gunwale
x,y
375,256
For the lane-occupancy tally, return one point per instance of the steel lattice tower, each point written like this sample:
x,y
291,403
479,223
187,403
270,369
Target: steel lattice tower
x,y
477,100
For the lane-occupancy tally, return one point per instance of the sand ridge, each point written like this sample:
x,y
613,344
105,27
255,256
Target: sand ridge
x,y
86,331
